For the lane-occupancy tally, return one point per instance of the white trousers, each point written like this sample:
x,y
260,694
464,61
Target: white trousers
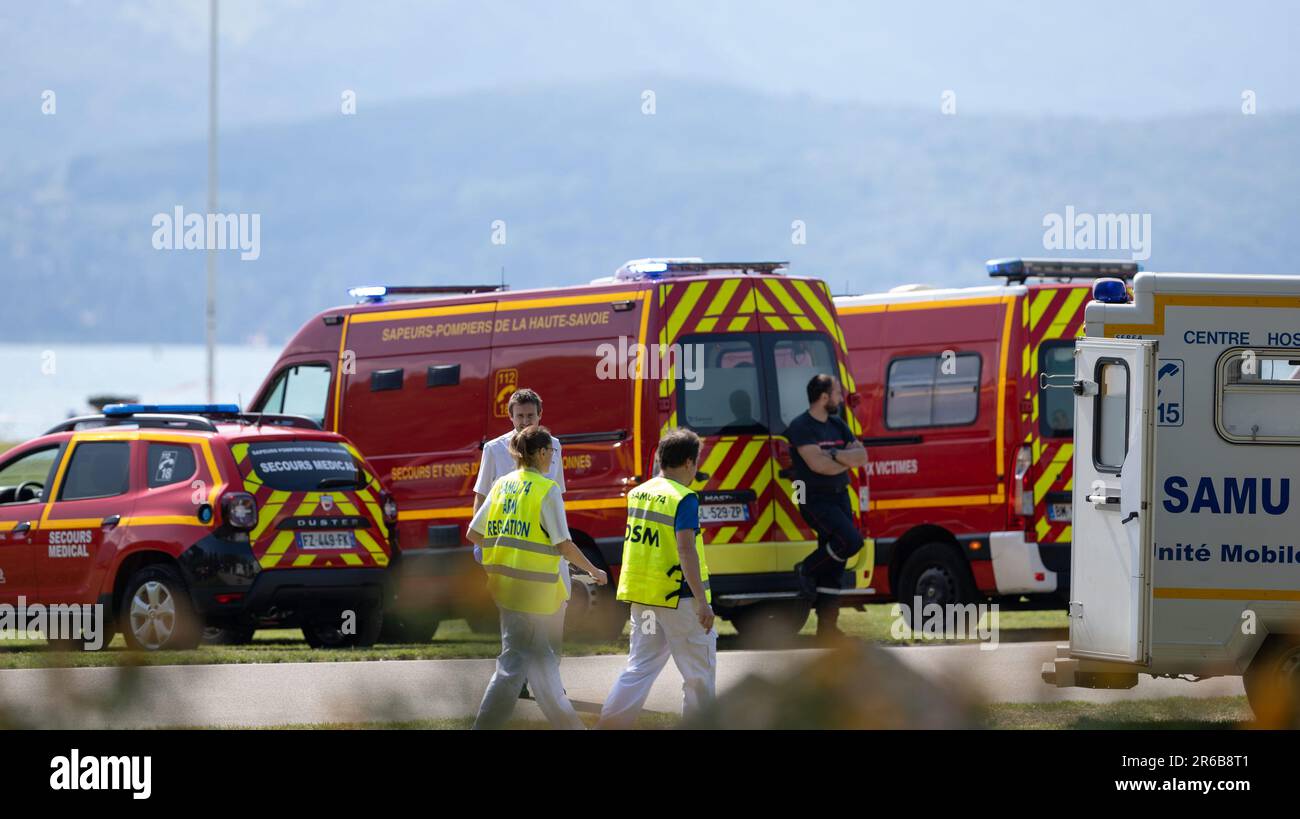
x,y
529,645
657,634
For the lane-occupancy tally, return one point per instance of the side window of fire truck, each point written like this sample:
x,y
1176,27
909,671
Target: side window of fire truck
x,y
796,360
1258,396
99,469
932,391
169,463
724,396
1055,404
1110,441
301,389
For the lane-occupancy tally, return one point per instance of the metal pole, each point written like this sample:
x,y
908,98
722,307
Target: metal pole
x,y
211,313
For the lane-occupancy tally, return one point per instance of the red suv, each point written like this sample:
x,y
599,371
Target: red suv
x,y
182,518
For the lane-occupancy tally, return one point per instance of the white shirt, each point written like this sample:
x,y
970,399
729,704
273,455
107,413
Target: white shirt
x,y
496,462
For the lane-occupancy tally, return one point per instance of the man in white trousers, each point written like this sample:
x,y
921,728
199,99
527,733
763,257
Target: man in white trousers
x,y
665,578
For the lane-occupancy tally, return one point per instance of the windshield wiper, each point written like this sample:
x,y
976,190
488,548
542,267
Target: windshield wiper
x,y
338,483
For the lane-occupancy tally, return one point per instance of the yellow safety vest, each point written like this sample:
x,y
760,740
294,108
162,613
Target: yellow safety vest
x,y
522,566
652,573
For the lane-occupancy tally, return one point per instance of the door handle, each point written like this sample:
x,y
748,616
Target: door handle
x,y
110,521
23,528
1103,500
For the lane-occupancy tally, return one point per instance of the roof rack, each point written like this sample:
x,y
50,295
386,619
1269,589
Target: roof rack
x,y
1016,270
196,417
667,268
376,293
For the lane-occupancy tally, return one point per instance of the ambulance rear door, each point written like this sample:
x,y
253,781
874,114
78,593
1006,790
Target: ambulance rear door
x,y
1111,557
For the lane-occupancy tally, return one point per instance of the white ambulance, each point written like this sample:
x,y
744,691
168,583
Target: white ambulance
x,y
1186,486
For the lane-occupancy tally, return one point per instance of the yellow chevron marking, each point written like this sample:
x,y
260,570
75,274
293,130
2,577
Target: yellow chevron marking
x,y
788,526
763,305
706,325
1036,310
1066,314
746,459
776,323
1024,360
277,549
818,309
761,525
305,508
718,304
376,552
1049,476
264,518
723,535
1041,528
351,559
777,288
804,323
684,307
1002,390
303,560
716,453
738,324
1066,533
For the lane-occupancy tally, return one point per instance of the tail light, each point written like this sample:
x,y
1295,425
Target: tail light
x,y
389,505
1024,460
240,510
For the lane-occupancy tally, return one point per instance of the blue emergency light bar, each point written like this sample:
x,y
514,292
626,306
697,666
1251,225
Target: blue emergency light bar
x,y
641,269
119,410
1017,270
378,293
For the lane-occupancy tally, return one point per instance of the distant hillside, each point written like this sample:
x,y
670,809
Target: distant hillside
x,y
408,193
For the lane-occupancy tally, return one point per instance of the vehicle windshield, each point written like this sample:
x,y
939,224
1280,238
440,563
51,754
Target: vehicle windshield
x,y
305,466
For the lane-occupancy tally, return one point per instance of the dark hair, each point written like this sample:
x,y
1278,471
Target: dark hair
x,y
524,396
677,446
527,442
820,385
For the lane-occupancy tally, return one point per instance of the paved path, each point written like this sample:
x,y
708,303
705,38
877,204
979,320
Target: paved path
x,y
260,694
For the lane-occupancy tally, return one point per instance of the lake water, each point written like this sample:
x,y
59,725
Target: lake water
x,y
41,385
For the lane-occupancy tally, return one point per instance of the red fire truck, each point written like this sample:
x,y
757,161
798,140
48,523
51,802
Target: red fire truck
x,y
728,348
965,408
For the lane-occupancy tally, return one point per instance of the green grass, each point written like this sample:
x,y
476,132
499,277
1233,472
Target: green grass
x,y
1186,713
454,640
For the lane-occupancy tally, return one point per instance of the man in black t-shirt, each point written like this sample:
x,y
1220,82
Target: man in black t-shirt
x,y
824,449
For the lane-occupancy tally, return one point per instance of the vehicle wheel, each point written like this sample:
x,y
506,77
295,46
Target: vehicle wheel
x,y
157,614
413,628
937,575
1273,682
228,635
596,615
771,623
328,633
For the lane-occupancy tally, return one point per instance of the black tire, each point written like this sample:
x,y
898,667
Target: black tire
x,y
410,628
1273,682
936,574
595,614
327,633
157,612
228,635
771,623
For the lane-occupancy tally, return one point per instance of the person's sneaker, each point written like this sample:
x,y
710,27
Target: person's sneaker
x,y
807,585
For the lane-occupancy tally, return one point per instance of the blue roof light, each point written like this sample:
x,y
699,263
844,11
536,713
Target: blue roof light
x,y
119,410
1110,291
369,294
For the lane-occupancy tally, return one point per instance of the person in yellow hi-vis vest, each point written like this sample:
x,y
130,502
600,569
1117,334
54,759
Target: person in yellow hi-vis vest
x,y
665,578
522,531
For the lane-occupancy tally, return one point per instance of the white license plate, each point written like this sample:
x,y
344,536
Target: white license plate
x,y
326,540
724,513
1058,512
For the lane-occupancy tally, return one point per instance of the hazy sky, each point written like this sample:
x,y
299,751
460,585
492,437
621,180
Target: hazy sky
x,y
138,68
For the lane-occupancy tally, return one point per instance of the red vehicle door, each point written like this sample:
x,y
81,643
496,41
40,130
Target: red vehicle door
x,y
23,478
83,524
